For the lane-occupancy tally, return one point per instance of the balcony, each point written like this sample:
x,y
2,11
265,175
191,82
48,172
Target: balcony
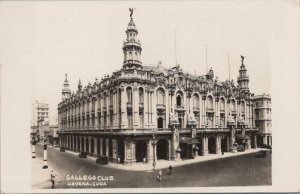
x,y
196,110
210,110
161,107
110,108
222,111
233,112
105,110
180,109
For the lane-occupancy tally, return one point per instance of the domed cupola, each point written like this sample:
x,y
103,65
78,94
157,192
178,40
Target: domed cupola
x,y
132,47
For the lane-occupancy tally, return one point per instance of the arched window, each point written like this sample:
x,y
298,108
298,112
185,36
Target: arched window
x,y
232,105
222,104
129,94
179,98
210,102
195,100
104,98
141,95
242,107
160,96
111,97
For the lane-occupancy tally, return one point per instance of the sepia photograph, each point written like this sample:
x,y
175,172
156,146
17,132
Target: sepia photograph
x,y
129,96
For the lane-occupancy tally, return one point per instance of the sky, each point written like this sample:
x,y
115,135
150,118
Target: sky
x,y
84,40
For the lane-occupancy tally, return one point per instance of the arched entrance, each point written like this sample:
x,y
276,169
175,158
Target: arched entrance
x,y
199,145
104,147
141,150
224,144
121,153
162,148
160,122
211,145
110,149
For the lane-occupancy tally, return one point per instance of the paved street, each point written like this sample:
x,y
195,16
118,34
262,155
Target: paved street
x,y
248,169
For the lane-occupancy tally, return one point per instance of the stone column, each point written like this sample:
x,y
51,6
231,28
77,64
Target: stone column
x,y
232,139
96,127
107,147
123,108
95,146
84,144
153,111
204,146
73,142
133,148
149,151
228,144
90,144
101,146
174,146
218,146
146,111
115,150
255,142
135,106
169,149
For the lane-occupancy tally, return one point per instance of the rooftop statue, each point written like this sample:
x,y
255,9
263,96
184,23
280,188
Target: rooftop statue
x,y
242,59
131,11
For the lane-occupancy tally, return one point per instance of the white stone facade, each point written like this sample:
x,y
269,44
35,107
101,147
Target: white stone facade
x,y
153,112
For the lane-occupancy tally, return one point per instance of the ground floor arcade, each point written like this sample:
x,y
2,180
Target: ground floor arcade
x,y
131,148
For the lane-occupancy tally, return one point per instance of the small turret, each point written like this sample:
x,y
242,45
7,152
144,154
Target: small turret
x,y
132,47
79,86
243,78
66,92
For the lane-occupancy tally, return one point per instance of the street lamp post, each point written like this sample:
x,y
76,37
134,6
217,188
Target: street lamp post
x,y
154,141
45,166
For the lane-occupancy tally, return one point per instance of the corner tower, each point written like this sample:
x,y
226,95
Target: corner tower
x,y
66,92
132,47
243,78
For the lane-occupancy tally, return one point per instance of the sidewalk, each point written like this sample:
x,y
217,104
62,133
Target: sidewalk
x,y
163,164
40,178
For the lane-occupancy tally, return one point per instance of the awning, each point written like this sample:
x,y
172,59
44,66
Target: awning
x,y
188,140
240,136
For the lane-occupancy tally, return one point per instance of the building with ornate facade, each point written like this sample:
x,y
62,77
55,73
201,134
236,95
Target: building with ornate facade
x,y
263,118
151,112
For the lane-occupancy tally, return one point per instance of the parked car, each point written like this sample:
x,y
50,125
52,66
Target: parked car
x,y
240,148
62,149
102,160
82,154
266,146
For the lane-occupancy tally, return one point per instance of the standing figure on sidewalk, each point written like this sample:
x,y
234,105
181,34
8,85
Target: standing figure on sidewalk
x,y
159,175
52,175
170,170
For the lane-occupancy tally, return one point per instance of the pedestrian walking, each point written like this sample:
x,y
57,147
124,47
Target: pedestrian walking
x,y
170,170
159,175
52,176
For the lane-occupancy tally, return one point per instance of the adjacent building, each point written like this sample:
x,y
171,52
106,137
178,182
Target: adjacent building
x,y
40,112
149,112
263,118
